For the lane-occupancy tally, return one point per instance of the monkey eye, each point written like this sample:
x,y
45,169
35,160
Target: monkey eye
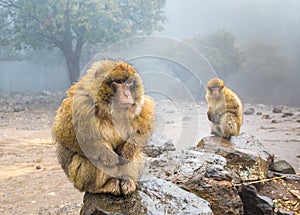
x,y
217,87
118,81
129,82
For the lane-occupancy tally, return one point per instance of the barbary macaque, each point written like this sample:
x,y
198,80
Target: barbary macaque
x,y
225,109
101,127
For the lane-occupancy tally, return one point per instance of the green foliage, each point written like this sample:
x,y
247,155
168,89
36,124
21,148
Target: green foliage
x,y
70,24
220,50
39,23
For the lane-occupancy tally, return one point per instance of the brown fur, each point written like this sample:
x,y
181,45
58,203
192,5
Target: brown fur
x,y
99,146
225,111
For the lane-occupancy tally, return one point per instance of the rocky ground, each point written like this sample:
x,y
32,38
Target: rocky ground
x,y
32,182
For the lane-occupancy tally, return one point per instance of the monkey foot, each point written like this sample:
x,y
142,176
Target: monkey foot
x,y
112,186
128,186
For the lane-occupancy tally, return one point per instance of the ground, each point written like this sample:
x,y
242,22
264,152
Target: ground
x,y
32,182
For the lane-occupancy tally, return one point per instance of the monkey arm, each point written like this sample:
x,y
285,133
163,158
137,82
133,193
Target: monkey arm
x,y
143,126
210,115
85,123
132,147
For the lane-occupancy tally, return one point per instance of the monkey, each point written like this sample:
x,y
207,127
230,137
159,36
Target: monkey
x,y
101,127
225,109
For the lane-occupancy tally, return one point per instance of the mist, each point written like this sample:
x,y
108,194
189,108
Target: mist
x,y
274,22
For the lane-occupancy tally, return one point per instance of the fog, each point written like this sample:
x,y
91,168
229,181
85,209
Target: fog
x,y
275,22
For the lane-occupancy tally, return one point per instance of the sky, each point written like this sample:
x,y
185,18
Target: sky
x,y
275,21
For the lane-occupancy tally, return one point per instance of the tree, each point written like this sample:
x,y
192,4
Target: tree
x,y
70,24
267,67
220,50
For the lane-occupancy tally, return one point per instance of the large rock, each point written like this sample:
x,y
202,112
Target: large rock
x,y
154,196
157,145
244,153
204,174
254,203
282,166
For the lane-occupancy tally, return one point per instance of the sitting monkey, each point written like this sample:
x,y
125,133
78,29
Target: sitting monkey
x,y
225,109
101,127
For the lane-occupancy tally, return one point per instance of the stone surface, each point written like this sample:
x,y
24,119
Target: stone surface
x,y
244,153
154,197
254,203
282,166
157,145
277,109
249,111
204,174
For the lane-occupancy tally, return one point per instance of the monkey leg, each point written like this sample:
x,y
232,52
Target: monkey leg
x,y
128,186
228,125
130,173
87,177
215,130
112,186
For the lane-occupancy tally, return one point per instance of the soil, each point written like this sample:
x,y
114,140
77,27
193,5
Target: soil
x,y
32,181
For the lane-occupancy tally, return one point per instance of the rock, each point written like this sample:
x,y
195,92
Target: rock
x,y
204,174
170,122
254,203
284,212
157,145
154,196
282,166
265,116
274,121
18,108
259,113
244,153
186,118
287,115
249,111
277,109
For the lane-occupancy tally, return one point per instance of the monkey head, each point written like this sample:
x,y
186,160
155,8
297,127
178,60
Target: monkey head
x,y
215,87
120,87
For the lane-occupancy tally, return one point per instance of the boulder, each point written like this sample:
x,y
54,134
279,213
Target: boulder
x,y
154,196
204,174
254,203
244,153
282,166
157,145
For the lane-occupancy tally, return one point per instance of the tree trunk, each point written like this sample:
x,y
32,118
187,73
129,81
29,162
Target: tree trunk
x,y
73,65
72,58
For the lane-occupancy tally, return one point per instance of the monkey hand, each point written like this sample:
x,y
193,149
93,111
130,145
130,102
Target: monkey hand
x,y
129,152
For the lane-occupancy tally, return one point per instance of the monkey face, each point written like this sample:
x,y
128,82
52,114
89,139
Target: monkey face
x,y
215,87
215,91
124,97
